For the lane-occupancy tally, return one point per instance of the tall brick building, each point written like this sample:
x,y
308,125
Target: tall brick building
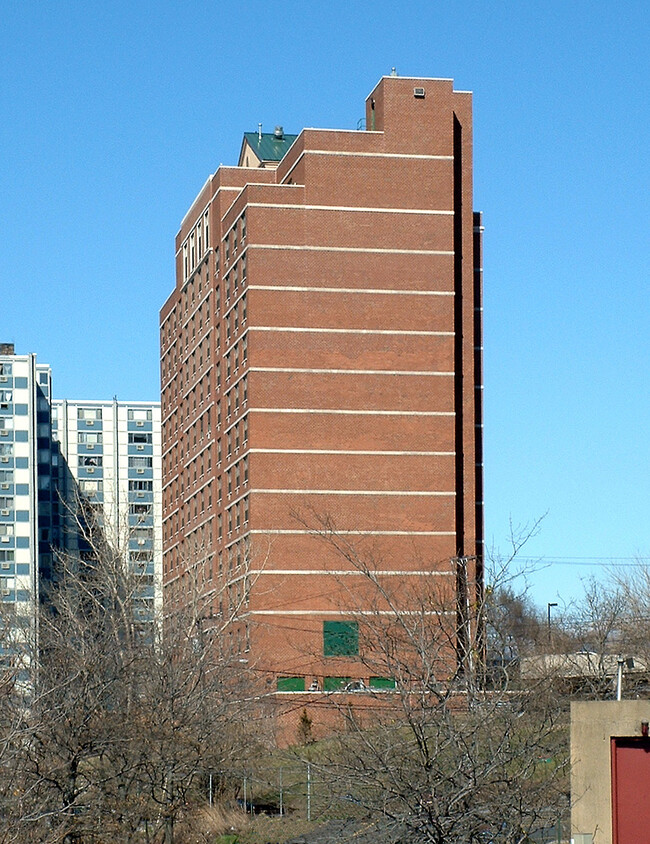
x,y
321,360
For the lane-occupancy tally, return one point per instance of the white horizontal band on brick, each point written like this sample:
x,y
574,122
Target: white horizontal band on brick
x,y
352,451
391,492
351,613
345,371
360,154
369,209
311,248
378,154
299,330
352,572
341,412
371,290
359,532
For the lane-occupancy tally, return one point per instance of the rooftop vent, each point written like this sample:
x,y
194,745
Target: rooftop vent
x,y
418,93
279,133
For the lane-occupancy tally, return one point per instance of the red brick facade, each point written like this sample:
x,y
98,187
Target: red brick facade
x,y
321,359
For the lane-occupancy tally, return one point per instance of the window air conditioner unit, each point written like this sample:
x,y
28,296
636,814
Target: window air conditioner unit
x,y
4,539
140,423
90,470
418,93
139,494
90,421
3,432
140,471
90,445
142,541
4,512
140,447
5,486
6,592
6,566
3,378
5,459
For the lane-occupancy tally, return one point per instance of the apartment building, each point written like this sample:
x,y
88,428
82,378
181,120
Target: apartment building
x,y
321,365
26,507
109,458
56,455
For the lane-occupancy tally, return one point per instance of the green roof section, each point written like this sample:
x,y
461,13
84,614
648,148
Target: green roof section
x,y
269,147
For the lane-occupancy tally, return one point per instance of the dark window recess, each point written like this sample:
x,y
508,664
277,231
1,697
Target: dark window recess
x,y
140,438
340,638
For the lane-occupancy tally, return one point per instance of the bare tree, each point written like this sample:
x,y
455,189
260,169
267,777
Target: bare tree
x,y
126,716
434,756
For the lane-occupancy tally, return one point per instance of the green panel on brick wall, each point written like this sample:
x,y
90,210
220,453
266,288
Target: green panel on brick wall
x,y
340,638
335,684
382,683
291,684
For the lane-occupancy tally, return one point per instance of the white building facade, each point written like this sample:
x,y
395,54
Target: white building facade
x,y
56,454
110,457
25,482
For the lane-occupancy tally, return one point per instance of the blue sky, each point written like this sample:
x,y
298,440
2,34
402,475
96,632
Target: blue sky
x,y
112,115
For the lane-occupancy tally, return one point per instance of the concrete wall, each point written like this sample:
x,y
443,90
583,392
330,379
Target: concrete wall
x,y
593,724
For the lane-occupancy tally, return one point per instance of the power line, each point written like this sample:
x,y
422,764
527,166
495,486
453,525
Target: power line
x,y
597,562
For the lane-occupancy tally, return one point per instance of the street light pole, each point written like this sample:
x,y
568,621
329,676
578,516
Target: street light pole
x,y
548,616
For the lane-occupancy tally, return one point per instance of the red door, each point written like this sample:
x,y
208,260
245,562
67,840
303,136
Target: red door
x,y
631,790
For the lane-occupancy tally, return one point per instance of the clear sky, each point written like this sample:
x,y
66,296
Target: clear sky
x,y
112,115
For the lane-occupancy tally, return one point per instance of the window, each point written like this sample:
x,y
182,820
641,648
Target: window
x,y
141,510
139,415
140,486
87,437
89,413
90,460
89,487
140,462
340,638
6,369
136,437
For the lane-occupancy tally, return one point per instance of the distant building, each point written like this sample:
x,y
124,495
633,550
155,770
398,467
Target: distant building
x,y
26,509
109,457
55,455
322,354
